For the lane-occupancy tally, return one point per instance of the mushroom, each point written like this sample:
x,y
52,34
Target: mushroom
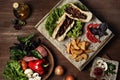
x,y
102,64
28,73
35,75
37,78
31,79
99,62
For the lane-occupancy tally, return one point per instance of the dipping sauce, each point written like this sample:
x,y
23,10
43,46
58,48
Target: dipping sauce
x,y
98,72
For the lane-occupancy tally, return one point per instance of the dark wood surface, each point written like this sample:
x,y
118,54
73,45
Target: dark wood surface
x,y
106,10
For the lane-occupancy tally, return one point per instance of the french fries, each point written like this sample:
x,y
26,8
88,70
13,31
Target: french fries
x,y
74,44
78,49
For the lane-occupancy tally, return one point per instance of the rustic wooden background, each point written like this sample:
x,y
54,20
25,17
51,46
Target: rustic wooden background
x,y
106,10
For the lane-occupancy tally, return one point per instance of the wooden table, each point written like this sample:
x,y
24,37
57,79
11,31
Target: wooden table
x,y
106,10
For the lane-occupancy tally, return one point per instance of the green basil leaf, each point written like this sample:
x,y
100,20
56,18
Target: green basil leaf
x,y
76,31
17,54
25,39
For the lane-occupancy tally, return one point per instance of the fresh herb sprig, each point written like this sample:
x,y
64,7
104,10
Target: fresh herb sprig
x,y
111,68
24,47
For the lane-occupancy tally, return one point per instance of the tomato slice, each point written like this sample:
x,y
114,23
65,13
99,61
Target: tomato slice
x,y
92,26
91,36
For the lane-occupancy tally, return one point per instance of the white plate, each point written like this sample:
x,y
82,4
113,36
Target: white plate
x,y
106,77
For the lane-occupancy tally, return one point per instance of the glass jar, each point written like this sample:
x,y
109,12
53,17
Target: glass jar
x,y
21,11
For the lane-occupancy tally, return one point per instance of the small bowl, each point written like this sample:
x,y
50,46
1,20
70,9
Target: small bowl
x,y
51,64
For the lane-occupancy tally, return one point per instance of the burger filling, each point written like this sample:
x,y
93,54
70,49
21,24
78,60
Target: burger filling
x,y
64,26
75,13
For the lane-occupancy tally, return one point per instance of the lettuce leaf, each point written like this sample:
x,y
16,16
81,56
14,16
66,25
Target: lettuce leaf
x,y
53,17
76,31
13,71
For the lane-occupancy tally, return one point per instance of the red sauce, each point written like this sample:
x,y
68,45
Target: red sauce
x,y
98,72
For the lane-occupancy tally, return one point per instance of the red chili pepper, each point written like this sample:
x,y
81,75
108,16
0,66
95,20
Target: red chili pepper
x,y
37,66
91,36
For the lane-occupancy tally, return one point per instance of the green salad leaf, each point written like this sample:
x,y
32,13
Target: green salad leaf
x,y
13,71
62,9
52,19
76,31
